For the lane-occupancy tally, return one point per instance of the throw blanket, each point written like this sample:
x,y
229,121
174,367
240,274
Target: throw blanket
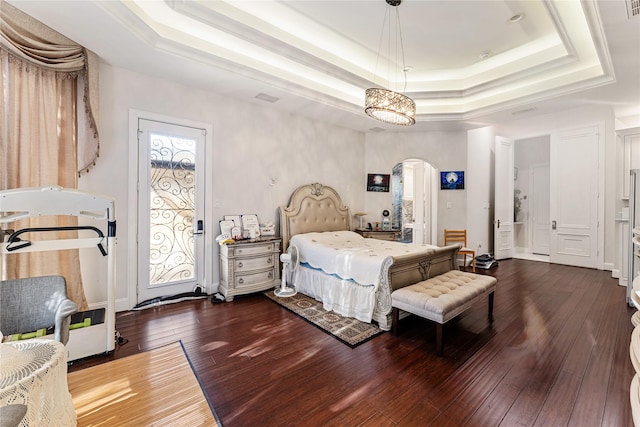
x,y
350,256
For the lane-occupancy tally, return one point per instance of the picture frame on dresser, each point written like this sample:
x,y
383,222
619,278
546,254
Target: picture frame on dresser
x,y
237,222
226,226
250,222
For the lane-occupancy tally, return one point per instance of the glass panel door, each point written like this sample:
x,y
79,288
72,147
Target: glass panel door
x,y
171,195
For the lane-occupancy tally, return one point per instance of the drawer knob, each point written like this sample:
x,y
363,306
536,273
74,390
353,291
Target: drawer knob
x,y
240,265
269,260
241,280
270,275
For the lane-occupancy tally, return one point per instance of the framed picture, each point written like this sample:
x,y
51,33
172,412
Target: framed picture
x,y
452,180
237,222
250,222
378,182
225,227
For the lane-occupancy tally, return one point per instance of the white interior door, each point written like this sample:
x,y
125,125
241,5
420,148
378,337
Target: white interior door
x,y
573,201
170,209
503,214
416,203
539,203
419,206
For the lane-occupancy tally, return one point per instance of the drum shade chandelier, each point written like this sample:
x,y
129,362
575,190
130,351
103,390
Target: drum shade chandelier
x,y
384,104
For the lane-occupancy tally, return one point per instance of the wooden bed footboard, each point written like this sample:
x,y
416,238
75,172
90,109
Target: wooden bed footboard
x,y
405,270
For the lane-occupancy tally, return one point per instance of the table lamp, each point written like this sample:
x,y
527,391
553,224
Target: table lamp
x,y
361,216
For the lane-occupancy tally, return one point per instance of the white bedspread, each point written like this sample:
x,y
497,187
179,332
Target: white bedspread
x,y
350,256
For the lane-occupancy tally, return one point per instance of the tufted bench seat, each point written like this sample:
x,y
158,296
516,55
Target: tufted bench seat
x,y
441,298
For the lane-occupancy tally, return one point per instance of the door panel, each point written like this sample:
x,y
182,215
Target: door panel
x,y
574,197
171,209
540,210
503,215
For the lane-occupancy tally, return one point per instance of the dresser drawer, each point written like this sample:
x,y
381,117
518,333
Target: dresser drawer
x,y
249,250
255,263
248,280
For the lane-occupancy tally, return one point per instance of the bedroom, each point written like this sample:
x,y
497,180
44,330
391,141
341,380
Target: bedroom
x,y
251,177
255,144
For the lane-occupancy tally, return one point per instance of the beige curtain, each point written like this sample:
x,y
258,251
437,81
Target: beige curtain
x,y
27,39
40,146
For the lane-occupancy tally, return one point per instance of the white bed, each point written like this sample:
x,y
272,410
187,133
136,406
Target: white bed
x,y
359,276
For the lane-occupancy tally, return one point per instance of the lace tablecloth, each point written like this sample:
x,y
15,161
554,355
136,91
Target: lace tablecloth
x,y
34,372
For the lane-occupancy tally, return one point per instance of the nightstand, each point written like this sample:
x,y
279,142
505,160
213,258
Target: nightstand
x,y
248,266
379,234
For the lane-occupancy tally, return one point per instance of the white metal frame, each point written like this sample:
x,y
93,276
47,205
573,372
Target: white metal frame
x,y
24,203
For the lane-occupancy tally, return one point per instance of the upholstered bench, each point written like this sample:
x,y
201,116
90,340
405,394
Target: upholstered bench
x,y
441,298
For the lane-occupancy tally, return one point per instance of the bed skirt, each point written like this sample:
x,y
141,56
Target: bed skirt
x,y
344,297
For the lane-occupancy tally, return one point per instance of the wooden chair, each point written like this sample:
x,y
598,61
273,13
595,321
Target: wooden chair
x,y
460,236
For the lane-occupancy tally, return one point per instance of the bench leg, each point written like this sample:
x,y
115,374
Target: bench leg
x,y
491,306
439,339
395,319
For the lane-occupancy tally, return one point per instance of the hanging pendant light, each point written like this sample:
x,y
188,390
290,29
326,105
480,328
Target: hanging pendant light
x,y
384,104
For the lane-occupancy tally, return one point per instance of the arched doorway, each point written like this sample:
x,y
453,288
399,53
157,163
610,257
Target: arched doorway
x,y
414,201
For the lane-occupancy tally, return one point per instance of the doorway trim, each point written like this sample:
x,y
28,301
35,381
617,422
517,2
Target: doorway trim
x,y
132,202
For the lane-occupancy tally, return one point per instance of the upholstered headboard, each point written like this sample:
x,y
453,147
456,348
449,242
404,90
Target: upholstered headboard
x,y
313,207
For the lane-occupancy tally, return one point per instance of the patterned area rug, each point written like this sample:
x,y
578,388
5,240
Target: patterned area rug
x,y
350,331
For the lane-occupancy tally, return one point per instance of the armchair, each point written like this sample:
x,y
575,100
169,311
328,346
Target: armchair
x,y
34,303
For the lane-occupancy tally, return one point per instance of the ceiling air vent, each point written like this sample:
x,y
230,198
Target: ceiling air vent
x,y
526,110
633,8
268,98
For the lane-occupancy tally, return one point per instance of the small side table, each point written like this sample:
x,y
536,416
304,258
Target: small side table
x,y
249,265
379,234
34,373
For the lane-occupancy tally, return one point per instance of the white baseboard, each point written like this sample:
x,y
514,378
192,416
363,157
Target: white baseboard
x,y
122,304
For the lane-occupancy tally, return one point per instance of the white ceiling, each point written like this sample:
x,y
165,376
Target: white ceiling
x,y
317,57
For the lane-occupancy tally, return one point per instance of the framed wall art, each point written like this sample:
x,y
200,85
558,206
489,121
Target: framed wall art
x,y
452,180
378,182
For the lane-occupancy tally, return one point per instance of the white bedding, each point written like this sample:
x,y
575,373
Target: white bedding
x,y
350,256
341,296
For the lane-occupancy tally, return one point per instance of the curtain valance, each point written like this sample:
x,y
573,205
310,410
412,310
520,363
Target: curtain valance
x,y
33,42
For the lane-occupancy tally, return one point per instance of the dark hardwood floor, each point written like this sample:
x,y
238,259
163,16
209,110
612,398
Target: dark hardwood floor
x,y
556,354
